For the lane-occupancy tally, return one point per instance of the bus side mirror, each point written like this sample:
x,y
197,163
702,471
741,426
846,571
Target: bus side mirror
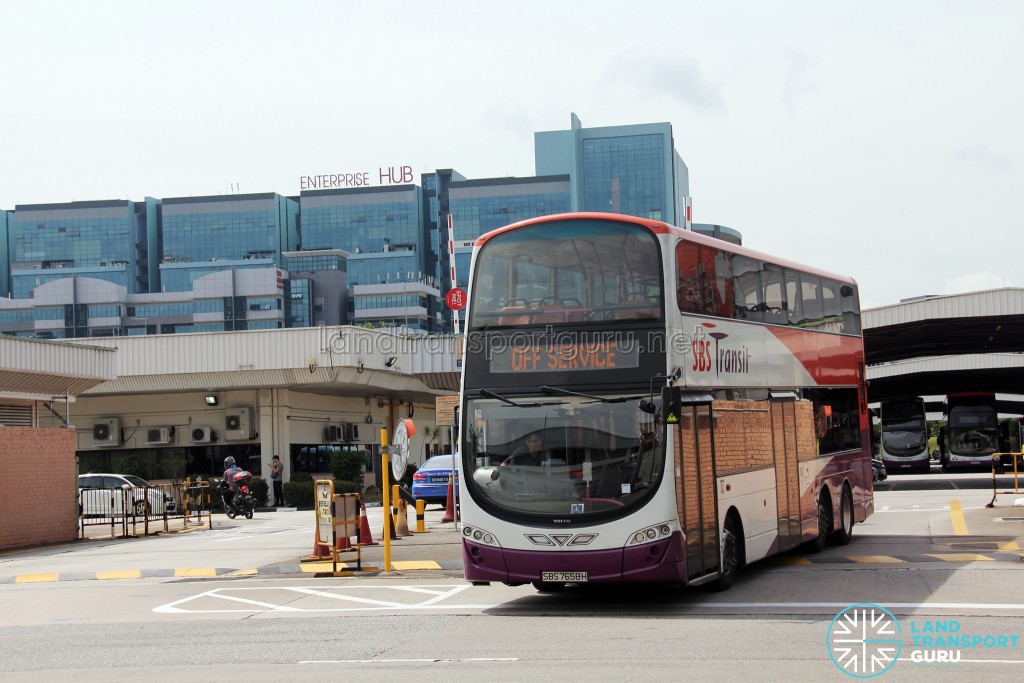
x,y
671,402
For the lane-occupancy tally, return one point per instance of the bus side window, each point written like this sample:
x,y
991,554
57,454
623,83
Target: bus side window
x,y
688,286
774,295
746,287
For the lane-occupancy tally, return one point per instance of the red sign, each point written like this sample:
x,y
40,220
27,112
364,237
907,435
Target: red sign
x,y
456,298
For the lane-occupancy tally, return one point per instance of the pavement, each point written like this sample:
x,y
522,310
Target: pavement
x,y
281,547
278,543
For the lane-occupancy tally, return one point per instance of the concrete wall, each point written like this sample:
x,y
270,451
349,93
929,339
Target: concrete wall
x,y
38,486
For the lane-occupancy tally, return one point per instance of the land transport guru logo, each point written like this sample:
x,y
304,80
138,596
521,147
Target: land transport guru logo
x,y
865,640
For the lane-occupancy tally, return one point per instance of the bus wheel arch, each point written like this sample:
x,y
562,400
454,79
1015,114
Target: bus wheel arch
x,y
847,517
733,550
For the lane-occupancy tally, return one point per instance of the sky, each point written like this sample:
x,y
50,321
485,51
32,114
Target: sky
x,y
876,139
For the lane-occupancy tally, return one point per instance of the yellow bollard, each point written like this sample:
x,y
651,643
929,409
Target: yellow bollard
x,y
420,510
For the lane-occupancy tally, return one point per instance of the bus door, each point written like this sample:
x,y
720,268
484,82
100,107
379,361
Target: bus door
x,y
696,499
787,472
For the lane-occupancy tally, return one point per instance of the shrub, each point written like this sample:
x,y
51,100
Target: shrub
x,y
301,476
349,465
260,490
345,487
299,493
133,466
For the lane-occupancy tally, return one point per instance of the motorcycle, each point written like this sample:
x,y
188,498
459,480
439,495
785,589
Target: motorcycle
x,y
241,501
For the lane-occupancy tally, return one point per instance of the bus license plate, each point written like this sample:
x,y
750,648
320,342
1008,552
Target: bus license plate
x,y
568,577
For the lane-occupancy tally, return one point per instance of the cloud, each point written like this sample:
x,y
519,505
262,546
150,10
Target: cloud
x,y
981,156
975,282
679,78
798,79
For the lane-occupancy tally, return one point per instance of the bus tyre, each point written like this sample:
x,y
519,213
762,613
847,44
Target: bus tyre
x,y
824,524
842,535
730,558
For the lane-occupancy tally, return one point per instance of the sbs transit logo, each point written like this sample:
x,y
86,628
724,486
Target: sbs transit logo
x,y
864,640
716,355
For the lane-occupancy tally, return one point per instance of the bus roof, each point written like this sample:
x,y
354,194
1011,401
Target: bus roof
x,y
660,227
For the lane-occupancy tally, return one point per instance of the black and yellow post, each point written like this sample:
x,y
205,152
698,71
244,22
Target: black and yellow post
x,y
385,469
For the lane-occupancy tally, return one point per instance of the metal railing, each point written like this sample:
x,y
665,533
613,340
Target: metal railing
x,y
134,511
998,468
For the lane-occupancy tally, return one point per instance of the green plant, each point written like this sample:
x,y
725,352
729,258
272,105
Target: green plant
x,y
301,476
299,494
260,489
345,486
349,465
133,466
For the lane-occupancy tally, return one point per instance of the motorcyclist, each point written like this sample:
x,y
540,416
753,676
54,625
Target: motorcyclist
x,y
230,470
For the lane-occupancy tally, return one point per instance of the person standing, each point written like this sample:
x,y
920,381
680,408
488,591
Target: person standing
x,y
276,470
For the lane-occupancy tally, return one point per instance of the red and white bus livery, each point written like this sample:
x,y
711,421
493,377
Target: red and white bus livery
x,y
644,404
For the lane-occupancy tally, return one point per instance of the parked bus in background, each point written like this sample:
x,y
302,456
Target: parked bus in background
x,y
641,403
904,435
970,434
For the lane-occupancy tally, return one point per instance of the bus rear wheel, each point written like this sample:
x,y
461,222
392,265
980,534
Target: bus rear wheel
x,y
842,535
730,558
824,524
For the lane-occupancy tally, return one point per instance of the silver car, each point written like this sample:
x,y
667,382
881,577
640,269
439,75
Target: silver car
x,y
101,494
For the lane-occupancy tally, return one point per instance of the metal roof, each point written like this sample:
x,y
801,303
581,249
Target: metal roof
x,y
34,369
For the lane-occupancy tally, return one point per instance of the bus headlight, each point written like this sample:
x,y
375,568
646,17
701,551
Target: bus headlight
x,y
652,533
478,535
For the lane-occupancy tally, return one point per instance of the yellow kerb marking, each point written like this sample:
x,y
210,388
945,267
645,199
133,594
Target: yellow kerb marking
x,y
37,578
960,557
1007,545
120,574
412,564
957,515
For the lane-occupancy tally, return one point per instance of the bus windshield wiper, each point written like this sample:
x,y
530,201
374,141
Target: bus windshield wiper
x,y
490,394
645,406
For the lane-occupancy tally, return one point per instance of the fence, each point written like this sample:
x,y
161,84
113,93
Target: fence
x,y
135,510
1016,461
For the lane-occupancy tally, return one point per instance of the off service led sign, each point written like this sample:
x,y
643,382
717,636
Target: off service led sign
x,y
593,355
386,175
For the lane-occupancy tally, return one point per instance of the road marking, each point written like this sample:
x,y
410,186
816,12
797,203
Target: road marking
x,y
120,574
960,557
959,525
37,578
1007,545
409,661
345,599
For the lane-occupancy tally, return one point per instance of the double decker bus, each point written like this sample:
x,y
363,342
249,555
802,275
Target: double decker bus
x,y
644,404
970,434
904,434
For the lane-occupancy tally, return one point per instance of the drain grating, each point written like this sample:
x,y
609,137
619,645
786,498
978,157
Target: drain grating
x,y
1013,519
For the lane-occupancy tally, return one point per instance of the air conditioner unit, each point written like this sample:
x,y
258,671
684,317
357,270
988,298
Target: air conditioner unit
x,y
107,432
202,434
334,433
350,432
238,424
159,434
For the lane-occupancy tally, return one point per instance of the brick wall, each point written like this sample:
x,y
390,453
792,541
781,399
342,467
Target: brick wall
x,y
38,486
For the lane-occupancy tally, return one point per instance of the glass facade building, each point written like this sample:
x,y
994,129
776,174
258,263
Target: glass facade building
x,y
371,255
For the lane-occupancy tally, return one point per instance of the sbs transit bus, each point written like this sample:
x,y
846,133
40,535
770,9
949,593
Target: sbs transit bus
x,y
644,404
970,434
904,435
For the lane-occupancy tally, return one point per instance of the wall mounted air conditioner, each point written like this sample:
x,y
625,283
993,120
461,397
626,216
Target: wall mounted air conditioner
x,y
334,433
350,432
238,424
202,434
107,432
159,434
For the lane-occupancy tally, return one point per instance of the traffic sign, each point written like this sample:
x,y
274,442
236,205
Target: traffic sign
x,y
456,298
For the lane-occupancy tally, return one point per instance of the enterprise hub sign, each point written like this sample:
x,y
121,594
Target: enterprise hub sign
x,y
390,175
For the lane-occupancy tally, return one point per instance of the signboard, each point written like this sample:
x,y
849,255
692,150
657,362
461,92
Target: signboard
x,y
571,356
444,407
387,175
324,502
456,298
